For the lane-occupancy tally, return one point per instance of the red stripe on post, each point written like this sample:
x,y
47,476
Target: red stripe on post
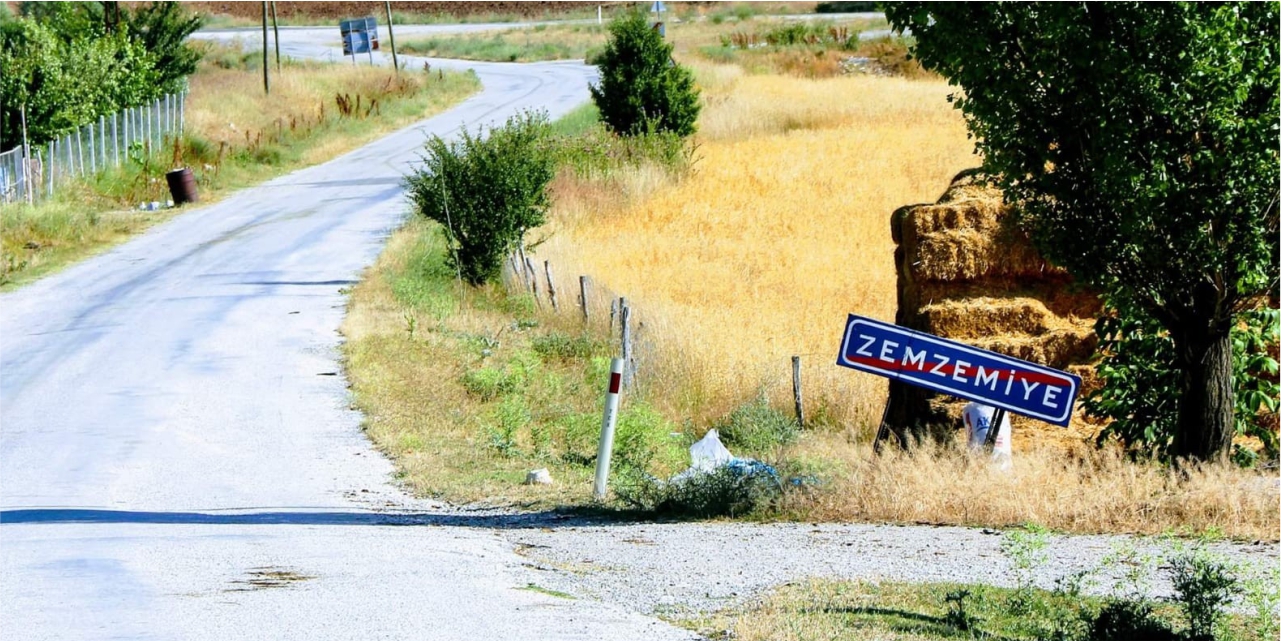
x,y
615,381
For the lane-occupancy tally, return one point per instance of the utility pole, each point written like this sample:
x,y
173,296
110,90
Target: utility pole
x,y
275,34
392,35
266,84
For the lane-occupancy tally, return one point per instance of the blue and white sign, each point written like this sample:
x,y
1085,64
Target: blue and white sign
x,y
359,35
953,368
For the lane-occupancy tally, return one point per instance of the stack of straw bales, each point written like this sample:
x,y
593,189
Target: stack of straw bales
x,y
967,274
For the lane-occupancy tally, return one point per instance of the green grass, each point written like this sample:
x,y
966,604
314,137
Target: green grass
x,y
578,121
470,388
850,610
560,42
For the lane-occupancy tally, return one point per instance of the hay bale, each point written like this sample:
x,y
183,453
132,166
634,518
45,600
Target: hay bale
x,y
965,273
968,254
1058,348
984,316
983,216
1061,297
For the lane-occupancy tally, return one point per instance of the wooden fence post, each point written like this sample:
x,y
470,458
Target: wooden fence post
x,y
796,391
582,296
551,287
518,272
533,280
625,322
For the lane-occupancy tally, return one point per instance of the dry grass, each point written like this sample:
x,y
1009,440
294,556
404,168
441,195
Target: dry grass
x,y
781,231
229,110
1081,490
688,37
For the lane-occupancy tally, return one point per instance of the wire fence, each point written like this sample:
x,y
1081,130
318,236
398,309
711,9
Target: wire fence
x,y
94,147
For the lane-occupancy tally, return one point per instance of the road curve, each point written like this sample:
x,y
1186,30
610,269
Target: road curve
x,y
178,459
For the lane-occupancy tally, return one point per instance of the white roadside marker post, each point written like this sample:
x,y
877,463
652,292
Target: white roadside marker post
x,y
607,429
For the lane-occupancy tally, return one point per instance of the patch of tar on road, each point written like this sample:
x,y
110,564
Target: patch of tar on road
x,y
270,217
267,578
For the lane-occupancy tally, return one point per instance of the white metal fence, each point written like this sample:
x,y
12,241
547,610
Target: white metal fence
x,y
97,146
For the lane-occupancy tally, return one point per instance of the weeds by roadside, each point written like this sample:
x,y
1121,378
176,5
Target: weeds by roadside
x,y
1213,600
541,42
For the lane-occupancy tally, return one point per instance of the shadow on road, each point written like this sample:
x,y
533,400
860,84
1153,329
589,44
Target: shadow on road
x,y
492,520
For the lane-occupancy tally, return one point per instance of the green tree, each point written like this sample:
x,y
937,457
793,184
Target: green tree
x,y
486,190
1139,142
1140,392
64,83
67,64
162,28
641,88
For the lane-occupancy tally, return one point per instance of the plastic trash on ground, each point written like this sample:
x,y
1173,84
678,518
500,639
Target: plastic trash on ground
x,y
709,454
978,420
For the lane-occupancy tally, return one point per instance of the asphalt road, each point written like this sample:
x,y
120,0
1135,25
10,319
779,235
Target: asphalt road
x,y
177,455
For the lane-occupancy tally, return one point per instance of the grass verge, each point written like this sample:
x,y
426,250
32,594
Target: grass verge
x,y
468,389
844,610
542,42
815,53
236,137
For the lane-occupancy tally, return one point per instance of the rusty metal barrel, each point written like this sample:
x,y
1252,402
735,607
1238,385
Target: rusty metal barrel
x,y
182,186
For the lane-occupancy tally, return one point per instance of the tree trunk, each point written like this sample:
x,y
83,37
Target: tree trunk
x,y
1206,402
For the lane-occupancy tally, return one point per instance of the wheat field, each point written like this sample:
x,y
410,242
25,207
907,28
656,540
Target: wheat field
x,y
781,230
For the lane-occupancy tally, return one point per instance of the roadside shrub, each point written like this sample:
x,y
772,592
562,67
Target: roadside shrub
x,y
643,439
728,490
488,383
642,90
595,152
565,347
505,423
1203,585
757,427
485,190
1127,620
579,438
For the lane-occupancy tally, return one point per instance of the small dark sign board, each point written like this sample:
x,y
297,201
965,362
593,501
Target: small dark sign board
x,y
954,368
359,35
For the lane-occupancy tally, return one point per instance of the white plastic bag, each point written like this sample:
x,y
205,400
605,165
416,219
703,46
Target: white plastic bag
x,y
978,420
709,454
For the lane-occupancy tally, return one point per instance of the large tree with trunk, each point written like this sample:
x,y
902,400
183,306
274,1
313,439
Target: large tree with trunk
x,y
1139,144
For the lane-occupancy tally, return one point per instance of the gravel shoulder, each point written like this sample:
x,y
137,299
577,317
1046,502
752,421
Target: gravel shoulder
x,y
683,568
